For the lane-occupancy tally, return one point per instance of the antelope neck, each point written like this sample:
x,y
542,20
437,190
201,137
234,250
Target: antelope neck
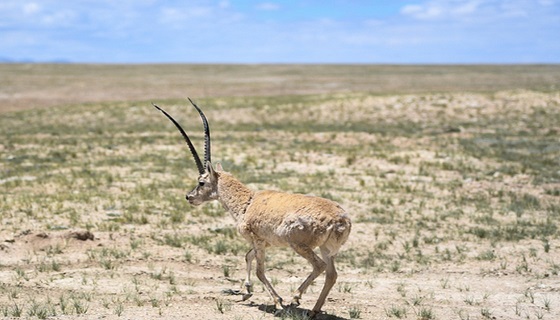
x,y
234,196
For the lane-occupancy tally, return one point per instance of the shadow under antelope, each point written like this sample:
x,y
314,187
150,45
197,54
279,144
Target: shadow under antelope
x,y
272,218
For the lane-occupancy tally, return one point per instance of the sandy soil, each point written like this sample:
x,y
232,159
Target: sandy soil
x,y
130,273
194,289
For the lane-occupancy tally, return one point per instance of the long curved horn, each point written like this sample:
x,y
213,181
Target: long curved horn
x,y
184,134
207,153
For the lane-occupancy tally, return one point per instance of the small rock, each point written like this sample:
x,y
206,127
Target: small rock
x,y
81,235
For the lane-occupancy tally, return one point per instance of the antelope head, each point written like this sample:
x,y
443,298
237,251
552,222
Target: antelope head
x,y
207,186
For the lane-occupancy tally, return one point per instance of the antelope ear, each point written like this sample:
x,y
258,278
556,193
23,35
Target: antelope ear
x,y
219,167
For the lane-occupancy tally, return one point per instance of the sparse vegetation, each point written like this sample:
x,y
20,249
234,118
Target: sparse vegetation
x,y
439,184
355,312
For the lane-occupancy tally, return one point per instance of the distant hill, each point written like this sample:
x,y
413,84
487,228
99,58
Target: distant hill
x,y
27,60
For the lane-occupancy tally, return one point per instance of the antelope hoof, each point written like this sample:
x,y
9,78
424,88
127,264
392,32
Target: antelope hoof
x,y
249,289
279,310
312,314
295,302
246,296
278,305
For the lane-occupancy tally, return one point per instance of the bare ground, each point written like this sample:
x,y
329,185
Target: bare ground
x,y
445,227
447,291
443,291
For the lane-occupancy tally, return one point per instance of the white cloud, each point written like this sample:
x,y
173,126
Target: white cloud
x,y
224,4
212,15
428,11
60,18
441,9
268,6
31,8
470,9
173,14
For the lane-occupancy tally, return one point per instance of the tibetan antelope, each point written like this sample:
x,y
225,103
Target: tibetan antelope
x,y
271,218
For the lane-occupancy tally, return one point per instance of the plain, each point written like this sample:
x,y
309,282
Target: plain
x,y
453,188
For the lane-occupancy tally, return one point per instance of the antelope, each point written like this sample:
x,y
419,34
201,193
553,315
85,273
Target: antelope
x,y
271,218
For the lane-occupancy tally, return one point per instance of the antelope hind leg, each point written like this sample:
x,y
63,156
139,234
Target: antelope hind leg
x,y
318,268
330,280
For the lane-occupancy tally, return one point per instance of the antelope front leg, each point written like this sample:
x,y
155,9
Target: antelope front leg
x,y
248,285
260,255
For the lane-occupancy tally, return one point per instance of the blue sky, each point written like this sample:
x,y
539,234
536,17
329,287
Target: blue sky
x,y
351,31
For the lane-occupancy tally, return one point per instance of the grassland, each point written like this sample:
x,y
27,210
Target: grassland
x,y
24,86
454,191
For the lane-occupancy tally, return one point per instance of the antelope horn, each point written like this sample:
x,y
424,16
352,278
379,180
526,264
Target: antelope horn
x,y
207,155
184,134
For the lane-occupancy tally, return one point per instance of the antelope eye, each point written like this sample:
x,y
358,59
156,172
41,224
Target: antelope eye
x,y
201,183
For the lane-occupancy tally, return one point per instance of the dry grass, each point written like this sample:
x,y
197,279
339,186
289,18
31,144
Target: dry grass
x,y
43,85
455,199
